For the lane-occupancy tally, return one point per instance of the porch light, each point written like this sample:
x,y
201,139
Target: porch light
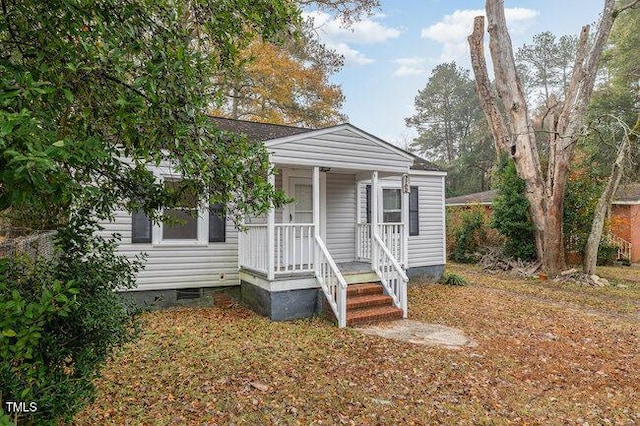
x,y
406,184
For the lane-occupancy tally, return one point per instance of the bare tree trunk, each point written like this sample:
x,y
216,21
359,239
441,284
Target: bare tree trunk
x,y
595,236
514,134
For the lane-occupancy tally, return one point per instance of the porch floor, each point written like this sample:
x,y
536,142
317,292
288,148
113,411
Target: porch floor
x,y
354,267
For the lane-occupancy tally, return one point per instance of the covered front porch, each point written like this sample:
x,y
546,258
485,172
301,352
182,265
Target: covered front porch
x,y
343,227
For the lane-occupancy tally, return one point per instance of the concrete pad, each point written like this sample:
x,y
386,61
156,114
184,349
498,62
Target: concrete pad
x,y
420,333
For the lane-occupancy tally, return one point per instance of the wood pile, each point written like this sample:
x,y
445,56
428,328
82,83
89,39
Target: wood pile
x,y
494,260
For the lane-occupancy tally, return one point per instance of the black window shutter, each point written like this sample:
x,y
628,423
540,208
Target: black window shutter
x,y
217,224
414,223
368,192
140,228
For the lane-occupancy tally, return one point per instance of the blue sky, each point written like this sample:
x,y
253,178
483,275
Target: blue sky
x,y
389,56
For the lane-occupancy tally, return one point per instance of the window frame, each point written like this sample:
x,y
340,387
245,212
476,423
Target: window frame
x,y
202,232
382,209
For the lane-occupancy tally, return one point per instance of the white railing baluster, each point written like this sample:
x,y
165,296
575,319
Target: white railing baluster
x,y
392,276
624,246
331,281
293,246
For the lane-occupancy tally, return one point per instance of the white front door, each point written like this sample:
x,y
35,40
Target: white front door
x,y
297,238
300,188
301,210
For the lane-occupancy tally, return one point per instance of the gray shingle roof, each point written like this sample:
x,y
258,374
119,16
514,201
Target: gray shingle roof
x,y
257,132
485,197
628,193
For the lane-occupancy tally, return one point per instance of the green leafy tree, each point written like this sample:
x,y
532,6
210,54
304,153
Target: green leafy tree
x,y
452,130
93,94
617,95
511,214
545,65
59,320
583,189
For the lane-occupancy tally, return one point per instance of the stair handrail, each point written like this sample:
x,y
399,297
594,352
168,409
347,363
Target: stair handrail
x,y
384,255
336,295
624,246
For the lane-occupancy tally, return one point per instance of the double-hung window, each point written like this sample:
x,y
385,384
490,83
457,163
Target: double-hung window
x,y
184,218
392,207
188,223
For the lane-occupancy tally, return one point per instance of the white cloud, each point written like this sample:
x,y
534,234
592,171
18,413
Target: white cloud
x,y
335,35
452,31
410,66
365,31
351,56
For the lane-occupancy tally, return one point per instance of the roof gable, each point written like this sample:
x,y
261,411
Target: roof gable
x,y
276,134
341,129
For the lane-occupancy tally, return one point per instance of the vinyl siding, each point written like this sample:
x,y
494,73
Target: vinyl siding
x,y
341,216
426,248
341,149
179,266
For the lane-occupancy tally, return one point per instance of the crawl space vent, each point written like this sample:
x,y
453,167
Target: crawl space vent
x,y
188,293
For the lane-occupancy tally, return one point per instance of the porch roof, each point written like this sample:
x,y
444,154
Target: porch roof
x,y
340,146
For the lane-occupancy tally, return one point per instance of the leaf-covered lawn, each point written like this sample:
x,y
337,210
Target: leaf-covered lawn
x,y
547,354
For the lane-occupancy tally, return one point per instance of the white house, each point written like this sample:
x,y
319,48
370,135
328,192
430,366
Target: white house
x,y
365,211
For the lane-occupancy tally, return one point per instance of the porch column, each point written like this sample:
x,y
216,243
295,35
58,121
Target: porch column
x,y
315,184
404,257
316,201
374,219
271,219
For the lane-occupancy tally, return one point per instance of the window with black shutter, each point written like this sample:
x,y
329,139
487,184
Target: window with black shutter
x,y
184,215
217,224
140,227
414,223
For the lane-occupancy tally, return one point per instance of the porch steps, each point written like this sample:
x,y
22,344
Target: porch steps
x,y
367,303
359,277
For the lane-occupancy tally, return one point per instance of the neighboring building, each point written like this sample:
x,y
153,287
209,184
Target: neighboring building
x,y
365,211
624,219
484,198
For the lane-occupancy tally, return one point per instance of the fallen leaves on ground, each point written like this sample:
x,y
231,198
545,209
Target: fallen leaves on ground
x,y
546,354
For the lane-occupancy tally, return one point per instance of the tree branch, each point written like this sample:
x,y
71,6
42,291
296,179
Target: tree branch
x,y
485,91
623,8
122,83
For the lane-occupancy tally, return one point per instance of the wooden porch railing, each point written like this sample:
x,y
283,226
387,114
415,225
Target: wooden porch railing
x,y
332,282
294,247
392,276
363,241
253,248
392,234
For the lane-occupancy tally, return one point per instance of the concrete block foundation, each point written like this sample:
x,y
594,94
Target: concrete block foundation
x,y
280,305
